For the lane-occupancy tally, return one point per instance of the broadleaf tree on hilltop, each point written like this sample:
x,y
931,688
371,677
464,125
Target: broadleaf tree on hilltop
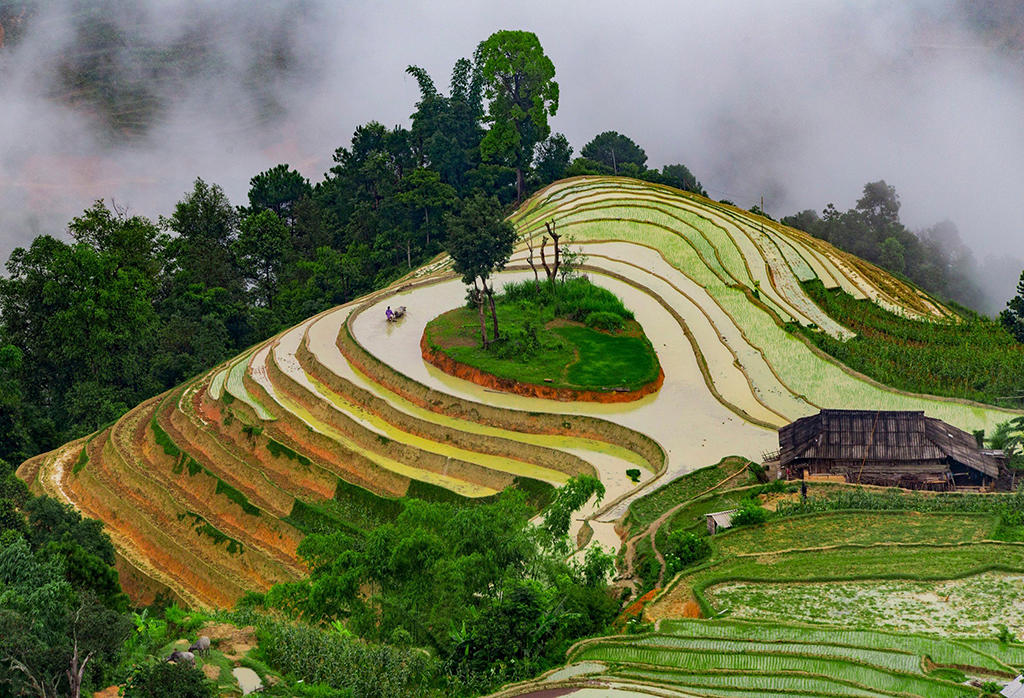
x,y
521,94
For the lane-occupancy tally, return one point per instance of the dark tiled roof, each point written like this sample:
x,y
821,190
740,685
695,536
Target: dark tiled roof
x,y
852,435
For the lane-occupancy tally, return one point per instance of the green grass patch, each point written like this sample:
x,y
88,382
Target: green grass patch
x,y
862,674
643,511
361,508
312,518
164,440
941,651
854,528
909,562
976,359
205,528
237,497
83,459
278,449
545,338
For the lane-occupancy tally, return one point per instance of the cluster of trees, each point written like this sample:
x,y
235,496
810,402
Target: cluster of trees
x,y
489,593
935,259
62,620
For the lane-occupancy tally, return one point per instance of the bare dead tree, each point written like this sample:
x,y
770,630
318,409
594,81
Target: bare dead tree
x,y
529,260
555,236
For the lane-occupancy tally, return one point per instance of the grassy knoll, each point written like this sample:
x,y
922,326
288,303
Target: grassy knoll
x,y
976,359
571,335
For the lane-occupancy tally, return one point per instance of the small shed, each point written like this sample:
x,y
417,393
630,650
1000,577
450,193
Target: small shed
x,y
889,448
720,520
1014,689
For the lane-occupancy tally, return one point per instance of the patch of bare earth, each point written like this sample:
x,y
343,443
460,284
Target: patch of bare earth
x,y
232,641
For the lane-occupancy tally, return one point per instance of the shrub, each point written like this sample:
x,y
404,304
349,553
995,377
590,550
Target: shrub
x,y
518,341
688,548
164,680
604,320
633,474
1005,636
750,514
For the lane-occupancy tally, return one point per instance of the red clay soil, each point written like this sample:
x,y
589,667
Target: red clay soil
x,y
635,609
458,369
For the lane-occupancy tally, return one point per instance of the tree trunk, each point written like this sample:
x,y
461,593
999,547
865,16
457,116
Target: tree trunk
x,y
76,672
489,290
543,259
408,253
553,273
520,185
478,298
529,260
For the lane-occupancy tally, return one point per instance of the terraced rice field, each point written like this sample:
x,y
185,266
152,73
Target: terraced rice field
x,y
734,658
208,489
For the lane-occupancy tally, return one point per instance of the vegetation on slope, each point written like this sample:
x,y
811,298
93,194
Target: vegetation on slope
x,y
487,591
573,335
976,359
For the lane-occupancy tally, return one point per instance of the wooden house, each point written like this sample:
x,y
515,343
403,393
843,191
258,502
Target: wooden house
x,y
896,449
720,520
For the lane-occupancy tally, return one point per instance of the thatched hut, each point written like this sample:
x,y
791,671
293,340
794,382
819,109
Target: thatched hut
x,y
899,449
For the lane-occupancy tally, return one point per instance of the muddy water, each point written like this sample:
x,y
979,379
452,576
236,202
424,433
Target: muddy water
x,y
248,680
611,461
284,354
684,417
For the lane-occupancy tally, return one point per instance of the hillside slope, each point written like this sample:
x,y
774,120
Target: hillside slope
x,y
208,489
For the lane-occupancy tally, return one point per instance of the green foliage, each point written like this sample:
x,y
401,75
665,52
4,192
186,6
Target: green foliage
x,y
612,150
750,514
49,602
687,549
552,159
205,528
160,679
633,474
263,241
603,320
975,359
569,499
521,94
935,259
278,189
278,449
367,670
